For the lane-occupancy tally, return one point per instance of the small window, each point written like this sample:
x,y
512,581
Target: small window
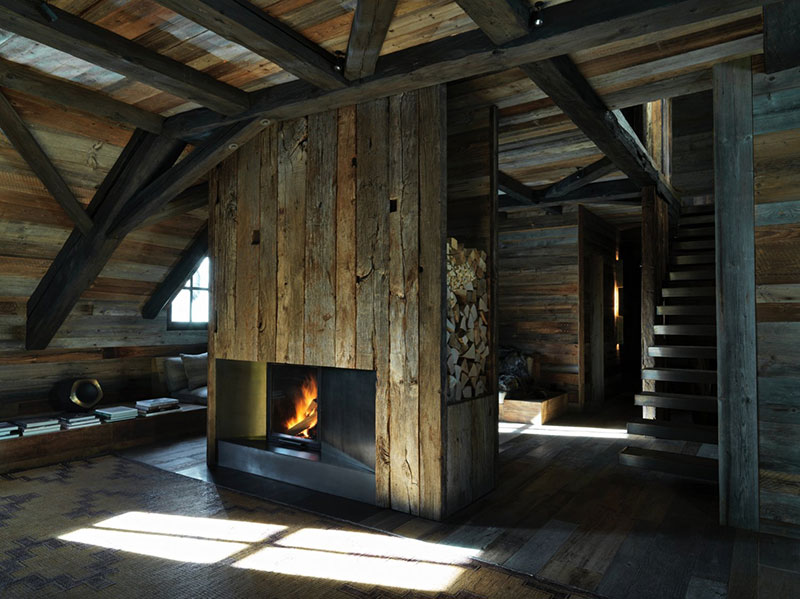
x,y
190,309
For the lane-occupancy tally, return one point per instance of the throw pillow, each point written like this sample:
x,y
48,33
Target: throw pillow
x,y
196,367
175,374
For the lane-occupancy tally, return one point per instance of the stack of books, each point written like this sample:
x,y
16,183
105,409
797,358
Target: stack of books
x,y
116,413
8,430
37,426
151,407
72,421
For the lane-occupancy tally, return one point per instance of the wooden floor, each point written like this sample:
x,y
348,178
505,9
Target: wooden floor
x,y
564,509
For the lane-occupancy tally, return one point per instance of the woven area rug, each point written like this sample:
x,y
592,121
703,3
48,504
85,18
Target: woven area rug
x,y
110,527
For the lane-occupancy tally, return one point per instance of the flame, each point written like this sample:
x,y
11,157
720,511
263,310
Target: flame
x,y
305,406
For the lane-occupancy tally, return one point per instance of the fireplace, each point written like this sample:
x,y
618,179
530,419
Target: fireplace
x,y
293,407
307,425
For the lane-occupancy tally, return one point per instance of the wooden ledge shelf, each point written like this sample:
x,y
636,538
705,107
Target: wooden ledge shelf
x,y
63,445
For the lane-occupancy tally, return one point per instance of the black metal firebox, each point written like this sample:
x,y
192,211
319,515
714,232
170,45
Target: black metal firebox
x,y
294,407
306,425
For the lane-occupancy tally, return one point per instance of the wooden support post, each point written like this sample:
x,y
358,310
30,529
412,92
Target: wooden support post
x,y
736,310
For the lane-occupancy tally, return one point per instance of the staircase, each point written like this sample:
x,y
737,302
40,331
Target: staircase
x,y
681,390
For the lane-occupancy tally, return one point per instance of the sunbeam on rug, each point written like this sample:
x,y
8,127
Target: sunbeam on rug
x,y
112,528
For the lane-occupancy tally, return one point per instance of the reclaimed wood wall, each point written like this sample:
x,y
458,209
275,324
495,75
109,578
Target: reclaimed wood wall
x,y
105,336
472,437
538,292
597,337
328,237
776,123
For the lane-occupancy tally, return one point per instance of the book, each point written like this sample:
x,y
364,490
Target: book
x,y
11,436
8,427
175,408
36,423
116,413
151,404
78,419
31,432
69,427
9,433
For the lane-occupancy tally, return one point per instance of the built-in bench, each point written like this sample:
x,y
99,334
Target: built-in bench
x,y
530,410
63,445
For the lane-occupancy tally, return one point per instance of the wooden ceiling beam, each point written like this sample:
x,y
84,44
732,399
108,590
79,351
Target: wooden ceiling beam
x,y
59,29
501,20
561,80
622,190
142,181
166,291
82,257
580,178
28,81
191,199
151,198
367,34
32,153
249,26
569,27
516,189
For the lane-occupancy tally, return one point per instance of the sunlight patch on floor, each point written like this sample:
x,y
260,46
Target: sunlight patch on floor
x,y
180,549
364,543
344,567
550,430
340,555
187,526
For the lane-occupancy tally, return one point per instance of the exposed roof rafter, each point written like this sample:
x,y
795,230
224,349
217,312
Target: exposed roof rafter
x,y
36,158
367,34
501,20
249,26
105,48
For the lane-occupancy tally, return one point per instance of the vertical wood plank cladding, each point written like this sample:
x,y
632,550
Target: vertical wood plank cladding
x,y
268,244
736,329
211,413
225,239
777,248
248,223
432,281
372,271
351,258
346,239
320,241
292,158
403,302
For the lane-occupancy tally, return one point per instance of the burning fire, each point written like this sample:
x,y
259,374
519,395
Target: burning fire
x,y
305,406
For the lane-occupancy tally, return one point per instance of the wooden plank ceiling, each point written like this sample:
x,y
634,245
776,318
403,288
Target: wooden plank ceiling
x,y
539,145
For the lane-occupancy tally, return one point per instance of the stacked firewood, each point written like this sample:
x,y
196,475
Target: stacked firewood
x,y
467,322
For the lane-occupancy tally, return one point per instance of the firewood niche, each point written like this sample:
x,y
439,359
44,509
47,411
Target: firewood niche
x,y
467,322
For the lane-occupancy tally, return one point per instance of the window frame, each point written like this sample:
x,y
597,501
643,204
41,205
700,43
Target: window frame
x,y
191,326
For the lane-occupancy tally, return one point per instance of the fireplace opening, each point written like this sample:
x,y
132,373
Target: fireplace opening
x,y
294,407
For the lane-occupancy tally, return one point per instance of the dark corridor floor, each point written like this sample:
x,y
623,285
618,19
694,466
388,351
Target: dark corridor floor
x,y
566,510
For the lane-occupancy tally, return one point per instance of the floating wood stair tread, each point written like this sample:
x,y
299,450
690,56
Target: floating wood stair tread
x,y
695,244
698,330
672,463
700,352
690,310
677,401
664,429
697,219
698,291
680,375
691,259
686,233
700,274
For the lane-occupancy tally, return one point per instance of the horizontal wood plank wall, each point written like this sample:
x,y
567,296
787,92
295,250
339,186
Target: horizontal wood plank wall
x,y
598,248
777,244
472,436
538,292
328,251
105,336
